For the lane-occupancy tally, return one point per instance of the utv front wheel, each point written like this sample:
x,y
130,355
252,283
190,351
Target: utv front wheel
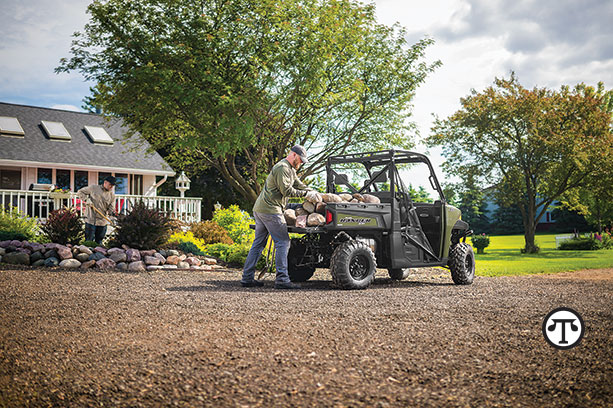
x,y
462,264
399,274
353,265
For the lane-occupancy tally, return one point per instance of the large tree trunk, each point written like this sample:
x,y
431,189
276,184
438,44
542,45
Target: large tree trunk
x,y
529,219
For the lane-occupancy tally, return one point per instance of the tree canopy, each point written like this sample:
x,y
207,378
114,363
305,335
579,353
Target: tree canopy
x,y
533,145
232,85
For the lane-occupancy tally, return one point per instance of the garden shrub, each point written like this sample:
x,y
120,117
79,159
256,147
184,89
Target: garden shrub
x,y
580,244
10,236
219,250
236,222
90,244
180,237
142,228
210,232
63,226
14,224
480,242
190,248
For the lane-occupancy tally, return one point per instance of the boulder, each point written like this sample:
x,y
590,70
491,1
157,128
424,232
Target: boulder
x,y
40,262
137,266
160,257
182,257
358,197
354,200
16,258
193,261
163,253
70,263
2,251
308,206
4,244
51,262
16,244
331,198
154,267
320,208
301,221
346,197
122,266
148,252
106,263
82,257
371,199
183,265
64,252
315,220
118,256
133,255
84,249
23,250
96,256
75,251
210,261
172,252
172,260
315,199
168,266
101,250
88,264
51,253
290,216
125,247
36,256
35,247
114,251
151,260
301,211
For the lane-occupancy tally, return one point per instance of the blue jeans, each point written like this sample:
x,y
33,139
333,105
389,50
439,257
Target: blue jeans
x,y
275,225
95,232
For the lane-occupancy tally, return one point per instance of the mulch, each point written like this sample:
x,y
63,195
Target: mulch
x,y
187,339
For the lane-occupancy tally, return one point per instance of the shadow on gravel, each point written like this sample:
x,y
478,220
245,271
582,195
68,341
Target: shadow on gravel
x,y
320,285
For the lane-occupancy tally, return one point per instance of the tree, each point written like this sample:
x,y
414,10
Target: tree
x,y
469,197
533,145
233,85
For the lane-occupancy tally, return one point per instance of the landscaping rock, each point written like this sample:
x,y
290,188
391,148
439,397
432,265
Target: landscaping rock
x,y
64,252
70,263
85,249
172,252
193,261
88,264
34,247
315,220
148,252
16,244
51,262
182,257
38,263
290,216
183,265
308,206
160,257
36,256
82,257
133,255
210,261
51,253
172,260
96,256
106,263
169,266
75,251
118,256
101,250
301,221
4,244
163,253
24,250
320,208
16,258
151,260
122,266
137,266
2,250
154,267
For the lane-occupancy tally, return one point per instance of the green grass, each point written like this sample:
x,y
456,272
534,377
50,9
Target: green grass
x,y
503,257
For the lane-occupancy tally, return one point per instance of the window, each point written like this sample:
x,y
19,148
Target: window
x,y
10,126
62,178
102,176
81,179
10,179
98,135
55,130
121,187
44,176
136,184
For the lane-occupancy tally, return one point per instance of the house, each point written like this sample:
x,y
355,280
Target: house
x,y
42,147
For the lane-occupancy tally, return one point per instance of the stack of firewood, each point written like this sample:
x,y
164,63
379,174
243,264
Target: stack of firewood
x,y
311,213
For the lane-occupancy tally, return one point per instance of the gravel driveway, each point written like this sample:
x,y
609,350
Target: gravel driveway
x,y
200,339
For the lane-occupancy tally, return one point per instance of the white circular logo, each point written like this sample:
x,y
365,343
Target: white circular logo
x,y
563,328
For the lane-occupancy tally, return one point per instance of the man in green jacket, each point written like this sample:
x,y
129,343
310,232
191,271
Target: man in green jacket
x,y
281,183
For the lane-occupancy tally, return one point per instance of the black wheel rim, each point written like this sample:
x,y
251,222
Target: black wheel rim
x,y
468,264
359,267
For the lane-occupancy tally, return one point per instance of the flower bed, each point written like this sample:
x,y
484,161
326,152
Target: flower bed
x,y
83,257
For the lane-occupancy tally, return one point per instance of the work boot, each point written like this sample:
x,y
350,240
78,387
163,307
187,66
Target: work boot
x,y
287,285
252,284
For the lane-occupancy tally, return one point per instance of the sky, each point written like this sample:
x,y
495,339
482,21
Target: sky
x,y
547,43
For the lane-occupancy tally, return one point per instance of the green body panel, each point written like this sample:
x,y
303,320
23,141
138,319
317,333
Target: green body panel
x,y
352,220
452,215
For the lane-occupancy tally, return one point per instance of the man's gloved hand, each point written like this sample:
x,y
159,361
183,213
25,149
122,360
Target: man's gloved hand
x,y
313,196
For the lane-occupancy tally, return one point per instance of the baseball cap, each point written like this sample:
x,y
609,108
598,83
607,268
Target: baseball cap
x,y
300,151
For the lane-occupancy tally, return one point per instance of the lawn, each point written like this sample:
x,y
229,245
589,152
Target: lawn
x,y
503,257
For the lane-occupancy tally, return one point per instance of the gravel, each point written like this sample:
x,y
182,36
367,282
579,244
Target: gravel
x,y
177,338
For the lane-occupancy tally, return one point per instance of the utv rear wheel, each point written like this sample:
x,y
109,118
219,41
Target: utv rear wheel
x,y
399,274
353,265
462,264
295,256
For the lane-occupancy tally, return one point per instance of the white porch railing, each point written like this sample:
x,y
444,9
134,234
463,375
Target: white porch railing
x,y
40,203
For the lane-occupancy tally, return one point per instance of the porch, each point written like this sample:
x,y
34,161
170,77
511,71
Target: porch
x,y
39,203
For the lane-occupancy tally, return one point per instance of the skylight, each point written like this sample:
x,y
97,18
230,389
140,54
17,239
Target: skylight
x,y
55,130
10,126
98,135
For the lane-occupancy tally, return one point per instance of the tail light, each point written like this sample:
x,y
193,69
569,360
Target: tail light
x,y
328,217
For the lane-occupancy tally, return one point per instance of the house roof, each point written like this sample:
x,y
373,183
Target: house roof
x,y
35,148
